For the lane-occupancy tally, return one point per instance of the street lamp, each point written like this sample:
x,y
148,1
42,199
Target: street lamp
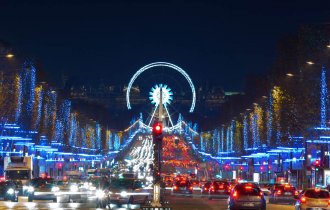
x,y
9,55
310,62
289,75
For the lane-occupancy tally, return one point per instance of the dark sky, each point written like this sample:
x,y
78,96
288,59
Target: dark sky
x,y
215,41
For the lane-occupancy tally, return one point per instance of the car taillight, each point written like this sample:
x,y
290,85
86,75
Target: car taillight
x,y
261,195
279,192
175,187
221,186
329,202
303,199
190,188
212,188
235,194
205,188
296,192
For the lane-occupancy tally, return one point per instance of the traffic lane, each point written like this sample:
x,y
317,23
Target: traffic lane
x,y
44,206
197,203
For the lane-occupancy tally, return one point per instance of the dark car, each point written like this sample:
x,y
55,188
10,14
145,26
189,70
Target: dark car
x,y
182,187
246,196
219,189
285,190
42,189
206,188
9,191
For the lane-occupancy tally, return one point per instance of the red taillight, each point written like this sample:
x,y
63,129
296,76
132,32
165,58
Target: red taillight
x,y
212,188
205,188
329,202
190,188
175,187
221,187
261,194
279,192
296,192
303,199
248,187
235,194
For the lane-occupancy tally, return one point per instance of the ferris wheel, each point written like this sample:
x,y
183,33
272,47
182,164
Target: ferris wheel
x,y
161,95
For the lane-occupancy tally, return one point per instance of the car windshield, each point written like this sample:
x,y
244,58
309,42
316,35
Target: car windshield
x,y
18,174
122,183
317,194
248,190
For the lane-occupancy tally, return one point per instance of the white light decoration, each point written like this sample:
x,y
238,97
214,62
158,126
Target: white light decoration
x,y
162,64
167,95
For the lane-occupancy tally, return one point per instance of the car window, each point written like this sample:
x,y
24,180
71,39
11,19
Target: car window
x,y
248,190
122,183
137,184
317,194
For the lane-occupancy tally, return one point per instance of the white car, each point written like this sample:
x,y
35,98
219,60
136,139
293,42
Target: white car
x,y
266,193
127,191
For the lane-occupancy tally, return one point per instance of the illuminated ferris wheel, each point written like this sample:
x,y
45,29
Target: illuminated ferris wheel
x,y
160,94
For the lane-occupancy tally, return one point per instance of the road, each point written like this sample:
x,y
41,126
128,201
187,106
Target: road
x,y
176,202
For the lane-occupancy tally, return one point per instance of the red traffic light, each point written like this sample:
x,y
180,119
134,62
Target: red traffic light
x,y
317,162
157,128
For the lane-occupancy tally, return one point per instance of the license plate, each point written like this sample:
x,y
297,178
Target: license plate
x,y
182,188
248,204
220,190
287,193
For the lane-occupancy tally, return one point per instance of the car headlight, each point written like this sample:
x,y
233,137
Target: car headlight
x,y
74,188
86,185
11,191
100,193
55,189
31,189
92,188
123,194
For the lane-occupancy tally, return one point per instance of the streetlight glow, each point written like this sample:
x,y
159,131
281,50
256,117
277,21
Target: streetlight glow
x,y
310,62
289,75
9,55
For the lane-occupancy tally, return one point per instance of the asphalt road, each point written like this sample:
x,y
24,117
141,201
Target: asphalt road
x,y
176,202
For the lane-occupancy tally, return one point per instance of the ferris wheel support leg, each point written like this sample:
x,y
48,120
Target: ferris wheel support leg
x,y
153,114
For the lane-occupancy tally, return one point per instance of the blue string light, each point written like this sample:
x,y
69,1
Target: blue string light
x,y
270,119
324,91
245,133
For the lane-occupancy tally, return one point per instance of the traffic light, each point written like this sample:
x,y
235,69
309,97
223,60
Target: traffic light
x,y
317,164
157,131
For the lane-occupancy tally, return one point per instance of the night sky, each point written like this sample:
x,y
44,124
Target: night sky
x,y
214,41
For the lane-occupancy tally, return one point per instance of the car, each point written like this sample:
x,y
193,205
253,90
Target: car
x,y
42,189
267,194
313,198
9,191
123,191
219,189
182,187
246,196
195,184
285,190
205,188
